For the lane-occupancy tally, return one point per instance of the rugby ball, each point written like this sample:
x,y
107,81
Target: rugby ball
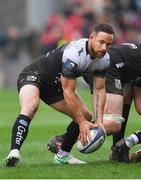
x,y
97,139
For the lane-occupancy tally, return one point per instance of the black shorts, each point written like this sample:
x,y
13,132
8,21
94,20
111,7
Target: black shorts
x,y
49,93
113,82
114,85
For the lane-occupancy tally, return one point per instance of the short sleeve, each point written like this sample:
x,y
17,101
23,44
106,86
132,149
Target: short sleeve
x,y
70,67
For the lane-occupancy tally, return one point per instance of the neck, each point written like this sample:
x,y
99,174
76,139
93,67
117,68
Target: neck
x,y
90,50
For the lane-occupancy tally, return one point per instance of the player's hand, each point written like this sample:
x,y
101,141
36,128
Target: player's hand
x,y
84,128
99,124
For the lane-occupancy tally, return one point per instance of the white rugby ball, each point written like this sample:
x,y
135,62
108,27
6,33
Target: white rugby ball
x,y
97,139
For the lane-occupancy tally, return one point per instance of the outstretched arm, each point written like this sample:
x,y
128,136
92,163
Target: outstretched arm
x,y
99,98
73,103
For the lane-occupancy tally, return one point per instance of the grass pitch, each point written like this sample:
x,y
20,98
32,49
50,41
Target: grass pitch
x,y
36,161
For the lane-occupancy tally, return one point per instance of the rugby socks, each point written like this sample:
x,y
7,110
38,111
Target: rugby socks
x,y
70,137
133,139
117,137
19,131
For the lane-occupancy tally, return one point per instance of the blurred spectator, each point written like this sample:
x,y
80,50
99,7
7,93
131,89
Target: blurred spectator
x,y
12,44
30,42
75,20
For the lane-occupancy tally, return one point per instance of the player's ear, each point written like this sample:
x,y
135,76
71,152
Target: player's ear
x,y
92,35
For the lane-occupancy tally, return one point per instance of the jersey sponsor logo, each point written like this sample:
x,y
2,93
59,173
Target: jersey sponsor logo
x,y
23,122
81,50
131,45
120,65
118,84
70,65
31,78
19,135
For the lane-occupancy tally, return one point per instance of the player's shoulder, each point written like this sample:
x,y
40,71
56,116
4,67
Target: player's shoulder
x,y
123,46
78,43
76,47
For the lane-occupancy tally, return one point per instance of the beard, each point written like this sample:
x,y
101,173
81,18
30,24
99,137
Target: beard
x,y
100,54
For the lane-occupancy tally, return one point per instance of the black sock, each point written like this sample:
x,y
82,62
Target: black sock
x,y
117,137
138,134
70,137
19,131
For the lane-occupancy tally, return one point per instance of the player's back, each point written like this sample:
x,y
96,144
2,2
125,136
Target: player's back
x,y
129,54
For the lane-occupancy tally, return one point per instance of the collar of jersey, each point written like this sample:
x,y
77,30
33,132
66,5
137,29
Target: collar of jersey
x,y
87,49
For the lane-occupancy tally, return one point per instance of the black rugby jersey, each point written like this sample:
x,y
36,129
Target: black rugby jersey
x,y
128,53
127,59
125,62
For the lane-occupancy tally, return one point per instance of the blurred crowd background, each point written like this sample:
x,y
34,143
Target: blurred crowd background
x,y
30,28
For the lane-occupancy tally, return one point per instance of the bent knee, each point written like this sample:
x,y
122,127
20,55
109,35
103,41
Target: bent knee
x,y
111,127
112,123
29,110
114,117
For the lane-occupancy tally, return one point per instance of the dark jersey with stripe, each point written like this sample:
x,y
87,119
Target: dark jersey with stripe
x,y
127,60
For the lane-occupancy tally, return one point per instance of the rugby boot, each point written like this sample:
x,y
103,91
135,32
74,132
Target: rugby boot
x,y
113,155
55,143
13,158
122,151
69,159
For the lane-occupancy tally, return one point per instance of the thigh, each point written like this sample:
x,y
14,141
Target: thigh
x,y
113,104
113,85
114,95
29,85
29,100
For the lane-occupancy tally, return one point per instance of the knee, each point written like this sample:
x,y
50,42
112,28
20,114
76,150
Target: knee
x,y
29,110
111,127
112,123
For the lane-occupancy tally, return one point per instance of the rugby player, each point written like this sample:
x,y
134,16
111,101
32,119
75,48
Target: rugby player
x,y
124,66
121,146
52,78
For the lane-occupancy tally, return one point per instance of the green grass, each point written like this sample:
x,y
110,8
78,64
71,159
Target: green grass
x,y
36,161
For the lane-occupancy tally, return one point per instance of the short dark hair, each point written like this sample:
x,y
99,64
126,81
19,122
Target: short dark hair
x,y
104,28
